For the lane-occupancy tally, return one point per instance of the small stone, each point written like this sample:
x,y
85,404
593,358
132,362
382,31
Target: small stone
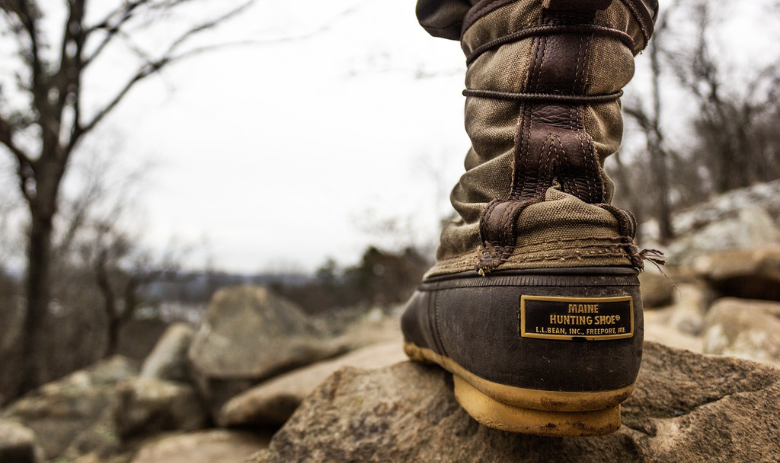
x,y
18,444
203,447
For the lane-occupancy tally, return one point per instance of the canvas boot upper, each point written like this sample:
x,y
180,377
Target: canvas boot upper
x,y
543,90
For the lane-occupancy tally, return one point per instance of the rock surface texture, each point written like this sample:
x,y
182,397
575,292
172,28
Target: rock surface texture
x,y
274,401
690,307
744,328
686,408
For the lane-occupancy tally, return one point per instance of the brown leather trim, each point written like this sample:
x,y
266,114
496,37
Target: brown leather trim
x,y
479,10
554,143
644,11
644,16
551,142
544,30
576,5
545,97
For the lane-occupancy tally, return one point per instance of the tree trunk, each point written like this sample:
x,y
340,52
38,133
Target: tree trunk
x,y
114,318
660,170
112,343
42,202
38,291
658,155
635,202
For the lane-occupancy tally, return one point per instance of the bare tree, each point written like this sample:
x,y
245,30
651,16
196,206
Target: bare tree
x,y
43,131
727,134
626,176
120,269
96,238
736,116
649,119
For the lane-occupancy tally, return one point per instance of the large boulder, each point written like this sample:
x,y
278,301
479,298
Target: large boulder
x,y
738,219
77,409
150,406
168,360
274,401
752,273
202,447
18,444
686,408
746,228
744,328
250,334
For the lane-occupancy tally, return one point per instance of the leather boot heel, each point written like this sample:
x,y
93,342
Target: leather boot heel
x,y
548,352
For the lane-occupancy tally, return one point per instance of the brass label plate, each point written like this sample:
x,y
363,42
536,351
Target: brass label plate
x,y
576,318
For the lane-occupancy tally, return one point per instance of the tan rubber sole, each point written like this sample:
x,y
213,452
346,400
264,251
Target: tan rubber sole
x,y
530,411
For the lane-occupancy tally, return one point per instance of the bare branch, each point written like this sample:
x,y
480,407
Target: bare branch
x,y
27,12
112,25
6,138
25,167
206,26
145,71
153,66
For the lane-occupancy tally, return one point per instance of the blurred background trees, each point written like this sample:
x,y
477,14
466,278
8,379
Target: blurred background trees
x,y
705,104
47,112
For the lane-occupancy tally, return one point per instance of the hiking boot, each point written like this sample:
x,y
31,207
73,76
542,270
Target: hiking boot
x,y
533,303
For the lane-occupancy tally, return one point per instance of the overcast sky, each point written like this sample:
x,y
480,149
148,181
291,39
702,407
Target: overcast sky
x,y
282,153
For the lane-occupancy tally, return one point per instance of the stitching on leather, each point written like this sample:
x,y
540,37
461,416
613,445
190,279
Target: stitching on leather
x,y
507,223
579,74
547,167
